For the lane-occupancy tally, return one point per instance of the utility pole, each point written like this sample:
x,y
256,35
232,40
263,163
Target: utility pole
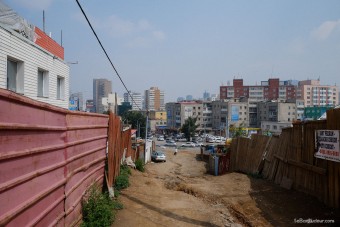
x,y
227,128
146,127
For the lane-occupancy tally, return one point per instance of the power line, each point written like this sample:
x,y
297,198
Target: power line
x,y
107,56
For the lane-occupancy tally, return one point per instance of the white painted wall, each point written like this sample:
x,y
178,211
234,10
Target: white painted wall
x,y
15,46
148,151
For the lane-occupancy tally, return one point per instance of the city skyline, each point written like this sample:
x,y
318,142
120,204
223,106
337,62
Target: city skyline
x,y
204,46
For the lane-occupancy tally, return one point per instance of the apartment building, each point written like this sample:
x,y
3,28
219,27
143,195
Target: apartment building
x,y
230,112
177,113
31,63
268,90
277,111
275,115
154,99
314,94
157,120
207,117
101,89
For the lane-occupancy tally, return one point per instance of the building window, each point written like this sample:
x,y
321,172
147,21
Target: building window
x,y
15,76
42,83
60,88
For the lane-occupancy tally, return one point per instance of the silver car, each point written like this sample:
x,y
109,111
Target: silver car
x,y
158,156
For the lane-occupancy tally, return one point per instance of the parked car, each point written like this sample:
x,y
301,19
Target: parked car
x,y
181,139
188,144
160,138
198,144
170,143
218,140
158,156
211,139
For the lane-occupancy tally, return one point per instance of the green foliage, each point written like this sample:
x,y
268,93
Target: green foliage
x,y
116,192
122,181
133,118
189,127
140,165
237,131
97,208
125,169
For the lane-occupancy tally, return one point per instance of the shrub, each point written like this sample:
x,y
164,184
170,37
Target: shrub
x,y
125,169
140,165
97,208
122,181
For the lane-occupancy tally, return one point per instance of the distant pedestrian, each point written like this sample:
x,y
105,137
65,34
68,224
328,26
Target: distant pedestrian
x,y
175,151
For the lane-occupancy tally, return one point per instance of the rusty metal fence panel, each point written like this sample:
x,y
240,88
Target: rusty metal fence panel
x,y
48,158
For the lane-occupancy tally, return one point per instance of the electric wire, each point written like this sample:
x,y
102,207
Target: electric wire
x,y
107,56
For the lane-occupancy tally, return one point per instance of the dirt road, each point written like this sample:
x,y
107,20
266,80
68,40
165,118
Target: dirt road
x,y
179,192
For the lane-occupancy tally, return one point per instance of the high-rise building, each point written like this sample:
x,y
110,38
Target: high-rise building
x,y
154,99
136,101
315,94
101,88
206,96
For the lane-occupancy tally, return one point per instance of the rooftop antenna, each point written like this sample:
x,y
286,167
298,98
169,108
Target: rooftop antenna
x,y
43,20
61,38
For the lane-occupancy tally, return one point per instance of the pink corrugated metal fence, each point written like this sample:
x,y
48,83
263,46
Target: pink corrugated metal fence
x,y
48,158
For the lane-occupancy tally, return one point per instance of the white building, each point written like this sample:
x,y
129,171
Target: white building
x,y
28,65
136,101
109,102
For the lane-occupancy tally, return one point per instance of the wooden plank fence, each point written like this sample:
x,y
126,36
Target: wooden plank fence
x,y
289,159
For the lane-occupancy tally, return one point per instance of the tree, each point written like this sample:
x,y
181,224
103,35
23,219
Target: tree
x,y
135,118
237,131
189,127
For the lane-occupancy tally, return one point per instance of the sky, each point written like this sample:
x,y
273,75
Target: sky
x,y
187,47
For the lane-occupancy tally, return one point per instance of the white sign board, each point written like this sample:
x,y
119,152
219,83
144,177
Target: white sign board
x,y
327,145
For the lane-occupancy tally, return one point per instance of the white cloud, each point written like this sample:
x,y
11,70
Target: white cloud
x,y
119,27
325,29
138,42
158,35
144,25
35,4
297,46
135,33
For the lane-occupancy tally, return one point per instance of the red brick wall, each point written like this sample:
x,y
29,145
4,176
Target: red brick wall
x,y
49,44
